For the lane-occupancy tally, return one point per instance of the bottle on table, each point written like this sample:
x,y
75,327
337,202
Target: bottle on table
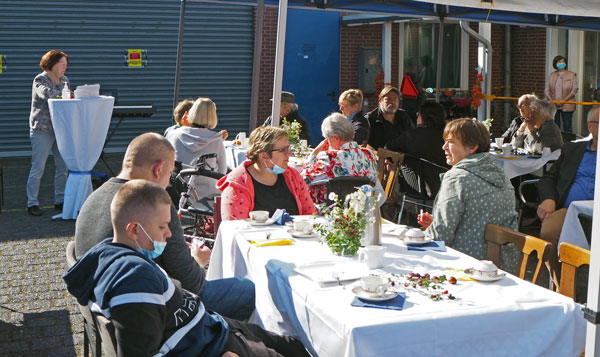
x,y
66,92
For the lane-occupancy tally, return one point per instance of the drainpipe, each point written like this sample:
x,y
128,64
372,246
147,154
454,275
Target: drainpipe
x,y
507,74
482,115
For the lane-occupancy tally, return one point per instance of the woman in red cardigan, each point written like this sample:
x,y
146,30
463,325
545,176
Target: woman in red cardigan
x,y
264,181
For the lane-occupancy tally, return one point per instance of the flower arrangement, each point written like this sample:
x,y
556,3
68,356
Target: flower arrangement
x,y
488,123
293,130
346,221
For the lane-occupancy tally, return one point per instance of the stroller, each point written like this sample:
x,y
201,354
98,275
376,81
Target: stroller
x,y
195,210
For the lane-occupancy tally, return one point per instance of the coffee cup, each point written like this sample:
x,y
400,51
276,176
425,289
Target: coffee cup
x,y
303,225
373,255
414,235
485,269
499,143
374,284
259,216
506,149
546,151
245,142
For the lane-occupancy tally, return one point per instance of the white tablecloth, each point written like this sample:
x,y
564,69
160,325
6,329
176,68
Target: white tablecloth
x,y
572,232
518,165
235,154
80,127
510,317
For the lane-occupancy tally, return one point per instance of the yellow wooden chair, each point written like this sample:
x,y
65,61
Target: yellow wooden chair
x,y
497,236
389,176
572,257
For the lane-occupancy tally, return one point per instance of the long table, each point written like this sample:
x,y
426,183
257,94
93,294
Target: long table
x,y
518,165
508,317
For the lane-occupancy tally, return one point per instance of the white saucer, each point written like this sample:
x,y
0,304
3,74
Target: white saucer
x,y
297,234
417,243
265,223
369,296
498,276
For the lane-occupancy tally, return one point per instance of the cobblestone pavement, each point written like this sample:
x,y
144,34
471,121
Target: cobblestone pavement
x,y
38,317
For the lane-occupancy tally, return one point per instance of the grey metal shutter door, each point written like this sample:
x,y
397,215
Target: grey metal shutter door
x,y
217,59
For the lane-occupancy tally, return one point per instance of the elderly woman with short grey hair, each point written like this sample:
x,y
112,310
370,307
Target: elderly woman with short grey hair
x,y
338,155
539,128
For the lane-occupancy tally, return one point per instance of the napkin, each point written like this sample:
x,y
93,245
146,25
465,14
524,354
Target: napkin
x,y
281,216
271,242
436,246
396,303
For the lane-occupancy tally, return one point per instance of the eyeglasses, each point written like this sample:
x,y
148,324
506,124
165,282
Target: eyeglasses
x,y
284,150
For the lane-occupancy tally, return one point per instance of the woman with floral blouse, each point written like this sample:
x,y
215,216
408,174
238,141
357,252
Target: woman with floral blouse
x,y
337,156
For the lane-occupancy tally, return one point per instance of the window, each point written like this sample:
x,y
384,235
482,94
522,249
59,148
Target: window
x,y
421,51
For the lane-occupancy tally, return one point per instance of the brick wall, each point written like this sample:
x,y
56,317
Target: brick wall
x,y
351,39
267,63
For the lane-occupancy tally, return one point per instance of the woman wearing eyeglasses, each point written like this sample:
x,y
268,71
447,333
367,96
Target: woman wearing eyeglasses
x,y
264,181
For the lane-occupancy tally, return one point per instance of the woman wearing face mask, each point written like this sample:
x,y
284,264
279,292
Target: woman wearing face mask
x,y
264,181
562,85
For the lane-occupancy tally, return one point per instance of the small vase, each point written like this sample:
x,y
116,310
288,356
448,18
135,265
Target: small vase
x,y
345,253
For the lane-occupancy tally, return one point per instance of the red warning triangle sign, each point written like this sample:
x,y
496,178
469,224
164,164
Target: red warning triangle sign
x,y
408,88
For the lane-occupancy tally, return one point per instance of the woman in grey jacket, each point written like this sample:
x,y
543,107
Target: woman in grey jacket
x,y
197,139
473,193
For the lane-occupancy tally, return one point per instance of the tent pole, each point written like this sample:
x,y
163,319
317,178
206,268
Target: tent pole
x,y
260,11
438,79
179,52
279,54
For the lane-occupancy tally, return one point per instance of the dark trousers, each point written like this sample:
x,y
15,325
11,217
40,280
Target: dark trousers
x,y
247,339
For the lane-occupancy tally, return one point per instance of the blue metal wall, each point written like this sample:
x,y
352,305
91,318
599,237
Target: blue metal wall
x,y
217,58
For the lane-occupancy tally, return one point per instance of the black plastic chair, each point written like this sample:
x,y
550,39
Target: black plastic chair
x,y
528,221
91,337
345,185
586,224
420,182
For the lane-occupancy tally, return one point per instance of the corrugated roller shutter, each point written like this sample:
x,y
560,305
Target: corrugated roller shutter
x,y
217,59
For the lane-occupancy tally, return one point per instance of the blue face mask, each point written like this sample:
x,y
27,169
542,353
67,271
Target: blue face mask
x,y
561,65
276,169
159,247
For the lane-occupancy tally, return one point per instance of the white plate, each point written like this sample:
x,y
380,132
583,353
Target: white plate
x,y
499,275
265,223
417,243
369,296
326,272
297,234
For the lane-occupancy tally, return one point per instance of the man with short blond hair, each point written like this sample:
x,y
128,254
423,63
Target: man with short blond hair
x,y
387,121
151,157
151,315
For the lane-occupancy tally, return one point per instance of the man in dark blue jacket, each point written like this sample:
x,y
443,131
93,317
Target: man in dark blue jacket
x,y
118,278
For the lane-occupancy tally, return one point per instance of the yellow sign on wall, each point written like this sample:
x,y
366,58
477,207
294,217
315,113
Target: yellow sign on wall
x,y
134,57
0,64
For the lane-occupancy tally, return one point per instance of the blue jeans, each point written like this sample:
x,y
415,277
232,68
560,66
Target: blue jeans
x,y
41,145
232,297
566,120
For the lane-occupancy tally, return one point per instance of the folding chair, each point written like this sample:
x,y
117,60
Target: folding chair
x,y
497,236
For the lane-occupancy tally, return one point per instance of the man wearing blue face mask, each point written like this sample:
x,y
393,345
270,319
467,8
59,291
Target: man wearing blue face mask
x,y
562,86
151,315
151,157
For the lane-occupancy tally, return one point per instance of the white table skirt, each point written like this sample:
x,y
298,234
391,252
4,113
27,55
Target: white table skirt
x,y
509,317
234,154
517,165
80,127
572,232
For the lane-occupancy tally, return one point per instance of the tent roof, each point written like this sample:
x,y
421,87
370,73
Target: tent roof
x,y
574,14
